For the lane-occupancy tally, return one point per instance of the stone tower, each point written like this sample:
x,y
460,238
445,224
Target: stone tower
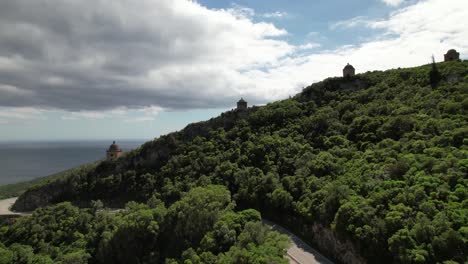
x,y
242,104
114,152
349,71
452,55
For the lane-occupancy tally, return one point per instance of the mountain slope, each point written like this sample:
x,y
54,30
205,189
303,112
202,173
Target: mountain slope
x,y
369,168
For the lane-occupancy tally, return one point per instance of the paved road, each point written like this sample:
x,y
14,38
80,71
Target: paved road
x,y
299,252
5,206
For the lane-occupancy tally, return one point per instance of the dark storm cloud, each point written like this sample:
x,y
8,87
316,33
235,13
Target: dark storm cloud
x,y
95,55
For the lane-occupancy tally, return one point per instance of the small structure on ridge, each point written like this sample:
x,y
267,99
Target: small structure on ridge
x,y
349,71
114,152
452,55
242,104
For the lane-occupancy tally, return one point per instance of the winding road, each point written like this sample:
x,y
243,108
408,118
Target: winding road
x,y
298,252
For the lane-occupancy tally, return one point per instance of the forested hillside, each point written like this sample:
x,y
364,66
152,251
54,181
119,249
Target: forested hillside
x,y
380,160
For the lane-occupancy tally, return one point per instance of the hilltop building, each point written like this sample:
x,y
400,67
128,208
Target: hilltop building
x,y
452,55
349,71
114,152
242,104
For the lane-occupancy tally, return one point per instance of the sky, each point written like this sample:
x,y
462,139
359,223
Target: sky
x,y
125,69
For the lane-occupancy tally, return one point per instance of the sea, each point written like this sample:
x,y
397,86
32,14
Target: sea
x,y
23,161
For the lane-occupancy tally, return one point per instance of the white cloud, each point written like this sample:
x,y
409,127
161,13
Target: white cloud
x,y
122,114
152,110
241,11
244,12
140,119
308,46
393,2
90,115
20,115
277,14
350,23
177,54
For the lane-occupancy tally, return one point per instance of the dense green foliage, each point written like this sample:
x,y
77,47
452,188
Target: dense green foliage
x,y
380,158
201,227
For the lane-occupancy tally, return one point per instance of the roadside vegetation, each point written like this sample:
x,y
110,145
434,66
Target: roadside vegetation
x,y
201,227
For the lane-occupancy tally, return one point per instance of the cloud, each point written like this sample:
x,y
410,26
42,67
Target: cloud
x,y
276,14
350,23
20,115
174,54
122,55
308,46
244,12
6,90
90,115
140,119
241,11
145,114
152,110
393,3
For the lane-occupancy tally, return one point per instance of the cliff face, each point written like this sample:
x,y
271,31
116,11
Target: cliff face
x,y
40,197
329,242
55,191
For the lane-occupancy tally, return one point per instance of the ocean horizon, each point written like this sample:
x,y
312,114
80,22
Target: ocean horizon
x,y
27,160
